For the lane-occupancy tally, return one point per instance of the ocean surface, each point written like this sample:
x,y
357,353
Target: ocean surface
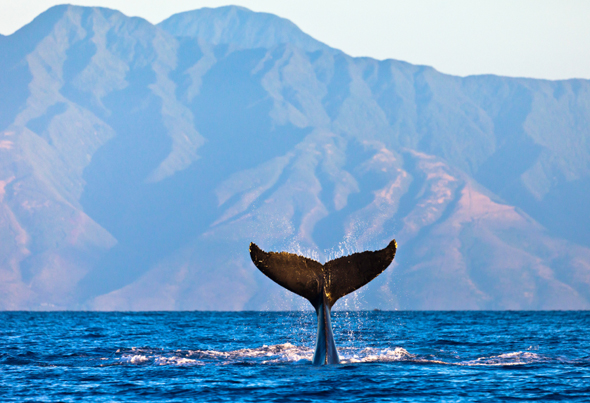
x,y
265,356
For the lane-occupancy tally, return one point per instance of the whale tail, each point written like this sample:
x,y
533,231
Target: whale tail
x,y
323,284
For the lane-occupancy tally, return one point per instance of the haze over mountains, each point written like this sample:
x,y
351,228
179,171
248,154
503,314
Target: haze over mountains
x,y
137,162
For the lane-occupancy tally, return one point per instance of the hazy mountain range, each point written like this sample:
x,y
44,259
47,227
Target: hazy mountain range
x,y
138,161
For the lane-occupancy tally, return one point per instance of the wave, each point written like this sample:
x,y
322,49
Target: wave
x,y
289,353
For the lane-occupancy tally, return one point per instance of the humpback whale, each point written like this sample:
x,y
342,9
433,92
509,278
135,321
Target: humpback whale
x,y
323,284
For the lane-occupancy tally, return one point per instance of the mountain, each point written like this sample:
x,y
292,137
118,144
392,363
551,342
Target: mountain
x,y
137,162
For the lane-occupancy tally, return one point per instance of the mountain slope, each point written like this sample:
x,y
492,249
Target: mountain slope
x,y
139,161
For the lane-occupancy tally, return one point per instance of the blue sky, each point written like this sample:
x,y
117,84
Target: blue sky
x,y
527,38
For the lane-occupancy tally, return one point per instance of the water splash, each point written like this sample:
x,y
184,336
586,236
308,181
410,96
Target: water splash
x,y
288,353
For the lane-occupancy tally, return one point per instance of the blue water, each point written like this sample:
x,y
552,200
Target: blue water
x,y
265,356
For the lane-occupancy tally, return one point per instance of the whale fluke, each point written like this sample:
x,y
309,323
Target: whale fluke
x,y
323,284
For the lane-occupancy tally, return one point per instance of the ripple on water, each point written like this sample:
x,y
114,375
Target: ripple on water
x,y
266,356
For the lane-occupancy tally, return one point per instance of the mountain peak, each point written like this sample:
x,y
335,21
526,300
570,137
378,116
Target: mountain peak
x,y
239,26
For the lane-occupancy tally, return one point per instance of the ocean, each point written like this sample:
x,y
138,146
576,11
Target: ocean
x,y
266,356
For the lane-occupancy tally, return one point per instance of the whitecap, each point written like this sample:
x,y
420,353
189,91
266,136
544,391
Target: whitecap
x,y
289,353
514,358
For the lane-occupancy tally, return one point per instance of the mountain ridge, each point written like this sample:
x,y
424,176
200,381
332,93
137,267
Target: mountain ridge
x,y
238,25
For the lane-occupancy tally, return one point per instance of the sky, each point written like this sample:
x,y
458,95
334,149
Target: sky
x,y
547,39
